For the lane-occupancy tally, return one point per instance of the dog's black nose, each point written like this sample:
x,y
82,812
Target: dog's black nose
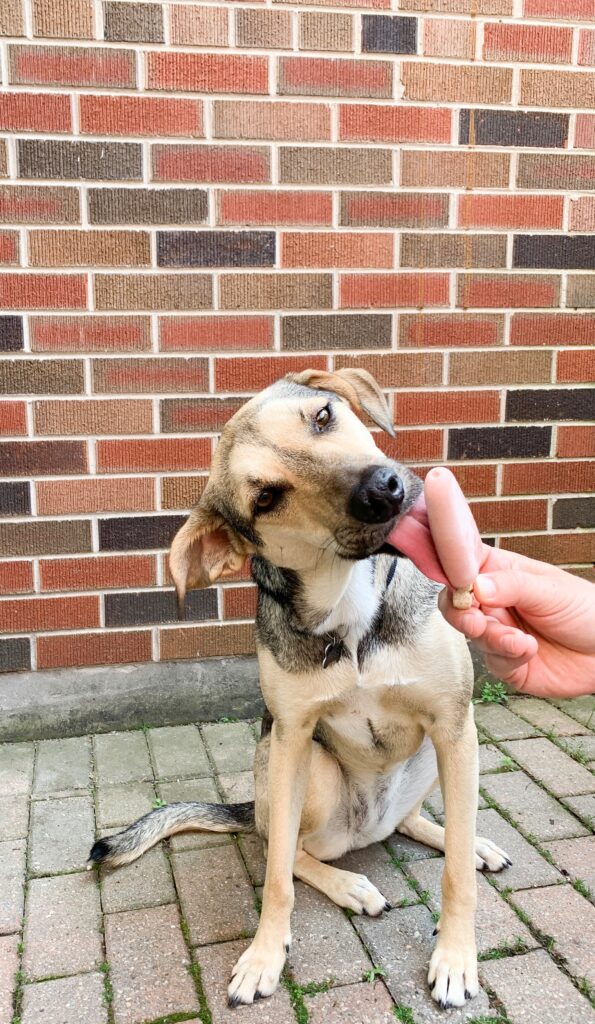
x,y
378,495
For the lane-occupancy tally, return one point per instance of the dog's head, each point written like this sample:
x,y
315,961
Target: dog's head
x,y
296,474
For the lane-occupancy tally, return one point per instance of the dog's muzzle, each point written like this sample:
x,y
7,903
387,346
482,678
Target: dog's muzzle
x,y
378,495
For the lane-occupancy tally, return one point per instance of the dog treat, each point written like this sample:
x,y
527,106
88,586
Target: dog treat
x,y
440,536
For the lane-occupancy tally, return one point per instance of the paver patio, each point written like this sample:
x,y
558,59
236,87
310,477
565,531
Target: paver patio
x,y
155,942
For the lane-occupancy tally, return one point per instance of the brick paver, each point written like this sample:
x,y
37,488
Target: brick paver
x,y
549,765
569,919
534,991
65,1001
66,906
582,709
149,961
57,795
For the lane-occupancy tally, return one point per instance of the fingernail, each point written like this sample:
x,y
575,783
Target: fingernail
x,y
485,586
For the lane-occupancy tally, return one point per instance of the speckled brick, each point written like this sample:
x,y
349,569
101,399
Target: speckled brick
x,y
121,757
237,787
547,717
216,964
552,767
8,968
120,805
529,868
12,882
14,817
575,858
62,833
536,812
231,745
66,1001
376,864
569,919
178,752
66,906
62,765
147,882
216,897
323,945
16,768
351,1005
500,724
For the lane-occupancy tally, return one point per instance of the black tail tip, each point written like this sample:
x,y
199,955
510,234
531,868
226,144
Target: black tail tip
x,y
99,852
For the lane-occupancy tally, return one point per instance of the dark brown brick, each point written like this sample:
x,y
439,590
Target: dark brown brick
x,y
197,415
215,248
133,23
382,33
138,533
556,170
140,608
99,161
574,513
449,250
336,331
499,442
3,159
539,404
394,209
15,499
34,204
349,166
181,492
11,333
41,377
559,548
265,29
15,653
165,375
42,458
275,291
153,291
47,537
207,641
563,252
147,206
513,128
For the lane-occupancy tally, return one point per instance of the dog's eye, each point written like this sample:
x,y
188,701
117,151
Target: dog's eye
x,y
323,418
266,499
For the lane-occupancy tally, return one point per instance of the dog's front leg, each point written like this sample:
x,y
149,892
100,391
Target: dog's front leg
x,y
257,971
453,967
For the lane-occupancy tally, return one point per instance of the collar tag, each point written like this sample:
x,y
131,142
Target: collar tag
x,y
332,653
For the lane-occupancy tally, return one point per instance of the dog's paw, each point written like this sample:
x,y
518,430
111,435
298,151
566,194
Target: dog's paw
x,y
257,972
452,975
356,893
489,857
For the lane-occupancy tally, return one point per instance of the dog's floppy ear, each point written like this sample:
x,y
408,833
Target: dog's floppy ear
x,y
204,549
357,387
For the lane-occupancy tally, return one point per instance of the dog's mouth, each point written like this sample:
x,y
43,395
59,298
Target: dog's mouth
x,y
411,537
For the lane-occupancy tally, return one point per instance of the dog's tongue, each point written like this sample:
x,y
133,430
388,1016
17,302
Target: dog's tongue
x,y
439,533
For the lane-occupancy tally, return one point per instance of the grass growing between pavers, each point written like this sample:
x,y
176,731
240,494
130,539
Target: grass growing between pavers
x,y
297,992
507,949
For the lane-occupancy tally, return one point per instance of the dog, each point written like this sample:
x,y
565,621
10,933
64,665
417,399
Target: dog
x,y
367,688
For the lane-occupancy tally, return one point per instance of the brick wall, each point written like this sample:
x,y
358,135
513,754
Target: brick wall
x,y
196,199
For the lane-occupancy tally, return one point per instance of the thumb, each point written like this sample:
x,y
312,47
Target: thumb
x,y
517,588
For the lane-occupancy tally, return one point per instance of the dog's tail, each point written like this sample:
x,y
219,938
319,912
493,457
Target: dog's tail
x,y
126,846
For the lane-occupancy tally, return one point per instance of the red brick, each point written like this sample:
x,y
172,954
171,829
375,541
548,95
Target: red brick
x,y
368,123
197,415
97,573
90,333
92,417
43,291
13,419
558,548
586,47
284,208
577,365
447,407
38,613
207,72
29,112
504,290
206,641
140,115
447,37
150,375
106,648
154,455
254,374
529,43
394,209
549,477
409,445
93,495
582,10
475,481
323,76
239,602
16,577
336,250
215,333
362,291
211,164
72,65
419,330
584,135
582,214
576,442
510,211
33,204
506,516
9,248
276,120
552,329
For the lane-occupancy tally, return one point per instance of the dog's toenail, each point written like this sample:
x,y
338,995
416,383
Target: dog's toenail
x,y
468,994
258,995
387,905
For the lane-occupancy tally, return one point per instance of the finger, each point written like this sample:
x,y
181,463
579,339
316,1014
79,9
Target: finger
x,y
517,588
507,642
471,622
454,530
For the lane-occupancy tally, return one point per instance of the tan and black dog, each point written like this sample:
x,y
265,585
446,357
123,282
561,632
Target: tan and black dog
x,y
367,687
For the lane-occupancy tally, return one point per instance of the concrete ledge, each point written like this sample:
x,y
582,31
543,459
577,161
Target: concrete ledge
x,y
71,702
